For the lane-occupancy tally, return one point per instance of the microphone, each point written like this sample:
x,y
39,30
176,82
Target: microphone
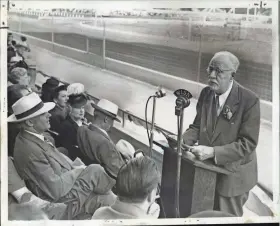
x,y
160,93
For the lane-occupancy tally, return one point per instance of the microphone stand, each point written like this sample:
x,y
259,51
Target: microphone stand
x,y
180,114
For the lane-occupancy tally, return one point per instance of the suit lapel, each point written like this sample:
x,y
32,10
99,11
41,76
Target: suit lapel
x,y
232,103
48,149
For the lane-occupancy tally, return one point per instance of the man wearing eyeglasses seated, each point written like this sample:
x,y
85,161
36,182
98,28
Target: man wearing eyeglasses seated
x,y
226,128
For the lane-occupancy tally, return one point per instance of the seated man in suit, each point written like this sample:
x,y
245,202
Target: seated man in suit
x,y
96,144
49,174
19,194
136,185
226,127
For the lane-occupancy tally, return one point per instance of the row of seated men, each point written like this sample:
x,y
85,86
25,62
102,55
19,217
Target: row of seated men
x,y
67,165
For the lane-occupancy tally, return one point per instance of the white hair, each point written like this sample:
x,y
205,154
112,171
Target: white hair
x,y
231,57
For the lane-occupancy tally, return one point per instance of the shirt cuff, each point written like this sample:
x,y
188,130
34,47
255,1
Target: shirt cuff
x,y
215,158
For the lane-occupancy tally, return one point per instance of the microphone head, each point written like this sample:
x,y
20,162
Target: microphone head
x,y
160,93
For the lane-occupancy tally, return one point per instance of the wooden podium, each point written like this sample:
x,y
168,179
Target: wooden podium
x,y
197,183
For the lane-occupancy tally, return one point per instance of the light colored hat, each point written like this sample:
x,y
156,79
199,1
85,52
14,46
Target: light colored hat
x,y
15,59
107,107
22,44
28,107
75,88
125,148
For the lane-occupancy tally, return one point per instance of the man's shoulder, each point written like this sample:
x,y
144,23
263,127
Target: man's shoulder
x,y
92,133
25,148
205,91
103,213
247,95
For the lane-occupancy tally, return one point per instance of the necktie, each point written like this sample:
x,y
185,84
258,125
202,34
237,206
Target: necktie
x,y
215,108
217,105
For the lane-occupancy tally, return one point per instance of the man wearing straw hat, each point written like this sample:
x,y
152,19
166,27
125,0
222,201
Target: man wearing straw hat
x,y
48,173
96,144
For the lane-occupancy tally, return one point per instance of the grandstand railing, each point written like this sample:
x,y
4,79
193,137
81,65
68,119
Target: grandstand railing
x,y
122,113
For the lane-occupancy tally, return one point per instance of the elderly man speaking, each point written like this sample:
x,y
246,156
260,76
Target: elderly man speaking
x,y
226,128
48,173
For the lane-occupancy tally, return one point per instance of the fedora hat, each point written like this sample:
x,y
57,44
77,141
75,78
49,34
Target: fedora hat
x,y
108,108
29,107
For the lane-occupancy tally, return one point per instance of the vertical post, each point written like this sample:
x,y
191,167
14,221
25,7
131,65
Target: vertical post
x,y
52,35
199,56
247,14
190,28
152,127
87,45
20,22
104,44
123,119
95,19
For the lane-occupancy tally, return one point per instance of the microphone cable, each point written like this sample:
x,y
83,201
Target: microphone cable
x,y
146,121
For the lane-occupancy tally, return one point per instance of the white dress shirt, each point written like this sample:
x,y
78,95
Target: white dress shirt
x,y
222,100
223,97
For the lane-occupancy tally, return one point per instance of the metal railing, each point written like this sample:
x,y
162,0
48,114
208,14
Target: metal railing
x,y
122,113
110,41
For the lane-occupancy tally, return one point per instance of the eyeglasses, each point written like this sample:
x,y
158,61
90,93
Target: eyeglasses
x,y
218,71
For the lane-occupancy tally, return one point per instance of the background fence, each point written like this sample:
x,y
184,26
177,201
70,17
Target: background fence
x,y
182,48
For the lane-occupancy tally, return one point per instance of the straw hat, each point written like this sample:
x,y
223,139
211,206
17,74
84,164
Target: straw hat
x,y
29,107
108,108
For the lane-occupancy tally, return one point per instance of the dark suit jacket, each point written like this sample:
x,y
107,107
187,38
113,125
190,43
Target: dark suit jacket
x,y
234,140
68,138
100,149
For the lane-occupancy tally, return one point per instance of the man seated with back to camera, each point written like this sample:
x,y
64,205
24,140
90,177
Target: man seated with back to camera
x,y
49,174
96,144
137,186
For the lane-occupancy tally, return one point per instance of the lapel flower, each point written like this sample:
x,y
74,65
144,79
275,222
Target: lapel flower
x,y
227,113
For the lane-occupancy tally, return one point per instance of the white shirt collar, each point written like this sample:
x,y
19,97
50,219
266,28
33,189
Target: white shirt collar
x,y
223,97
103,131
41,137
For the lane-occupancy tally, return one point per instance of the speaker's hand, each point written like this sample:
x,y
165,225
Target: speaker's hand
x,y
203,152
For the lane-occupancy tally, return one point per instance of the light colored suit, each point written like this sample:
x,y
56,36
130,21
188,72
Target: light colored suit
x,y
234,140
51,176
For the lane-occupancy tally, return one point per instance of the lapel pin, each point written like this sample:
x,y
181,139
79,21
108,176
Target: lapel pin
x,y
227,113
